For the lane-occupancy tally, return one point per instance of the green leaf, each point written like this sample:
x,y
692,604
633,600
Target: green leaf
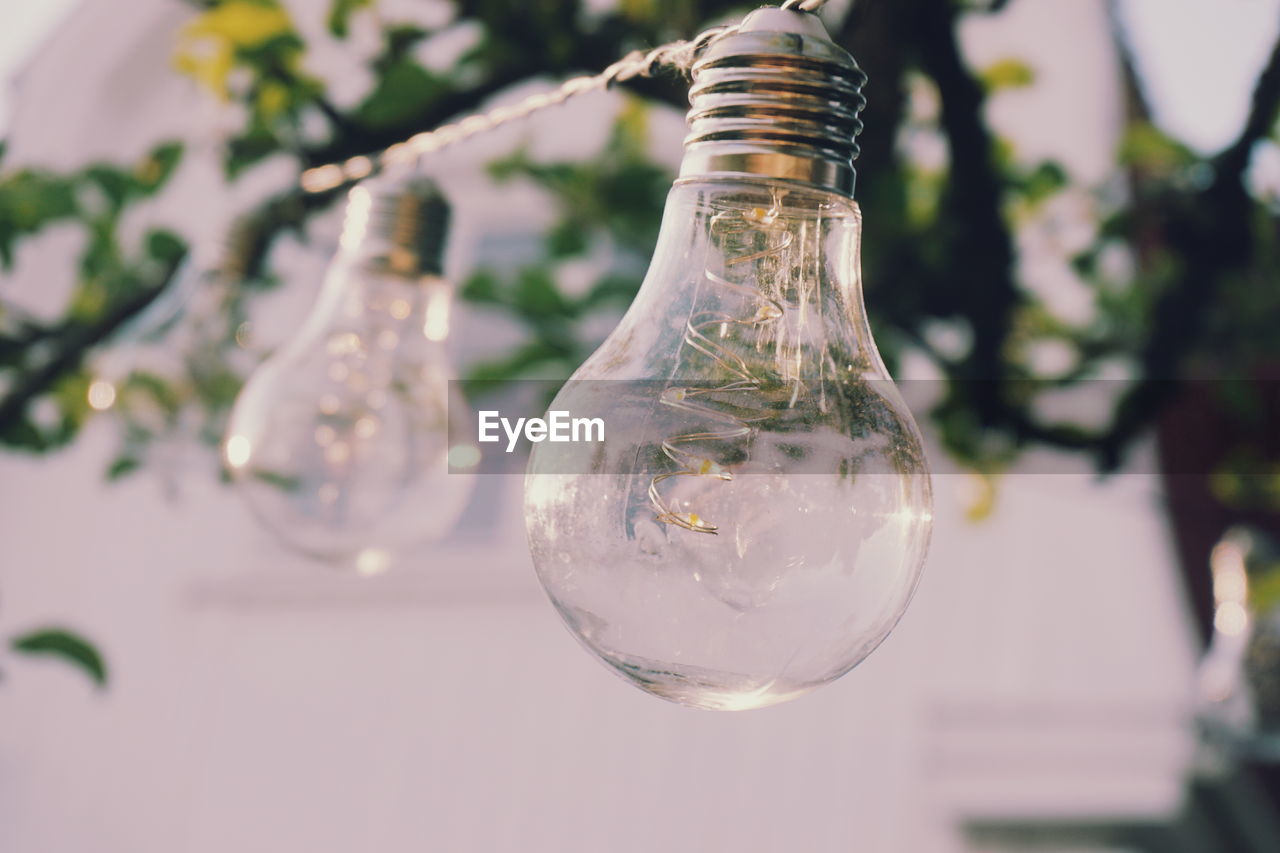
x,y
401,38
157,388
340,15
283,482
1007,73
505,168
66,645
405,89
255,144
482,286
613,288
29,199
1085,264
22,434
165,246
1146,147
630,136
122,467
218,388
1041,182
522,361
566,239
28,202
1265,588
116,184
537,296
71,393
157,167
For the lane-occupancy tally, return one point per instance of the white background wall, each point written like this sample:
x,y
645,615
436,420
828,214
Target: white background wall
x,y
256,705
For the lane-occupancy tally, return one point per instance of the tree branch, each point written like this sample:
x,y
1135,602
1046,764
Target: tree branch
x,y
291,209
592,53
1264,110
72,341
1135,100
979,242
1214,238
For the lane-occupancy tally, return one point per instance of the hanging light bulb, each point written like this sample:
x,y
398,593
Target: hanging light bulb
x,y
1239,677
756,519
172,321
340,441
182,331
176,350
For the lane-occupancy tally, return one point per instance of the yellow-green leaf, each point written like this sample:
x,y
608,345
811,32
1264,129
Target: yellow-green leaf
x,y
1008,73
208,45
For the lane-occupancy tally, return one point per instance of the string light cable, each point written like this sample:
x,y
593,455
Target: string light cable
x,y
678,55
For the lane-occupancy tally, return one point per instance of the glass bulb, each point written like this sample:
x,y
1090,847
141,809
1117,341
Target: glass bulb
x,y
340,441
156,340
756,519
1239,689
177,351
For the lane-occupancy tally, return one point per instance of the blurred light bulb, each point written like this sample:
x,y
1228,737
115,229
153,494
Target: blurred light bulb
x,y
1239,676
162,372
340,441
159,337
756,520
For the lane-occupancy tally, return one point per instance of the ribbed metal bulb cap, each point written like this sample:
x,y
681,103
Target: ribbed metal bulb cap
x,y
243,246
398,225
776,99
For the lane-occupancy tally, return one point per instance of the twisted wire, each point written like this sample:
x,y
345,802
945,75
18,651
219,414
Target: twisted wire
x,y
703,333
678,55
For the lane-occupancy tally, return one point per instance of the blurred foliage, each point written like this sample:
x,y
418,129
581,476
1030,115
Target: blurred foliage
x,y
610,204
1176,262
257,39
46,400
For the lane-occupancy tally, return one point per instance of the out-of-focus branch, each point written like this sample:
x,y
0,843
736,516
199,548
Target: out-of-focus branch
x,y
71,342
1264,111
363,142
873,33
1213,236
1209,230
1135,100
591,52
980,244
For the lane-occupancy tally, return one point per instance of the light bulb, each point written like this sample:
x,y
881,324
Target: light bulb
x,y
1239,677
148,343
340,441
756,519
177,351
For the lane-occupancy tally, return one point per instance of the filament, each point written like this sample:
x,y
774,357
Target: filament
x,y
704,333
